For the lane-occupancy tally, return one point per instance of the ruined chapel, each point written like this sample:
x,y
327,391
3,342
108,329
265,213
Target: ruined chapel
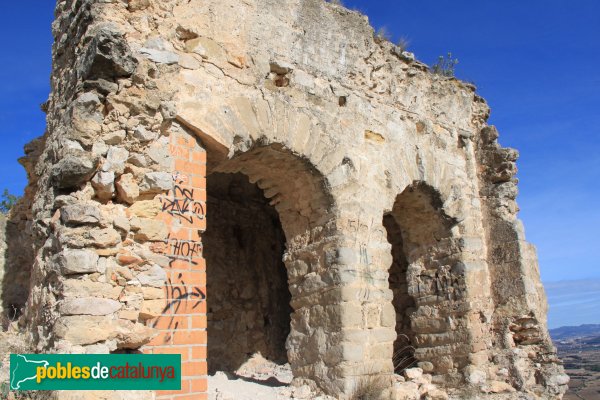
x,y
220,178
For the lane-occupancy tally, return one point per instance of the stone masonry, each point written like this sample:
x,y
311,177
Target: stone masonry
x,y
221,178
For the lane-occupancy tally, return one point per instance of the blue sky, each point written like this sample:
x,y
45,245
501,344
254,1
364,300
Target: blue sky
x,y
537,63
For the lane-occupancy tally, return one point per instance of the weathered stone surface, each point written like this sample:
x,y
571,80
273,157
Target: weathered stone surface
x,y
89,329
115,137
72,171
144,135
136,5
103,86
115,159
104,185
145,208
85,236
149,229
151,293
121,223
86,288
413,373
87,118
206,48
152,308
127,188
188,61
99,149
77,261
133,335
107,57
84,329
160,154
80,214
88,306
406,391
156,182
154,276
139,160
160,56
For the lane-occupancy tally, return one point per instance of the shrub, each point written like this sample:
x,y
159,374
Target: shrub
x,y
382,34
445,66
371,387
403,43
7,202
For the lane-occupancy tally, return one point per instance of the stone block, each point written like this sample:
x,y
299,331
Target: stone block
x,y
80,214
156,182
127,188
72,171
88,306
77,261
149,229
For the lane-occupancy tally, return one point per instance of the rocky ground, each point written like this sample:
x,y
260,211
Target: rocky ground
x,y
262,379
258,378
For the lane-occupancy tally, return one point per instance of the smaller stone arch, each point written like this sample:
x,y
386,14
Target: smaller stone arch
x,y
428,283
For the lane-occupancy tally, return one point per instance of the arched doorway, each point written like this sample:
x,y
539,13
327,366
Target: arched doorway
x,y
268,217
427,282
249,304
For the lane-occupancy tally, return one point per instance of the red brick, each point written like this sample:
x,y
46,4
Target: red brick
x,y
189,337
199,352
199,181
199,322
181,234
199,263
199,156
169,321
172,350
199,385
162,339
181,264
193,368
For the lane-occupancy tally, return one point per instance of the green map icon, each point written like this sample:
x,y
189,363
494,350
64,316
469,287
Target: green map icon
x,y
23,369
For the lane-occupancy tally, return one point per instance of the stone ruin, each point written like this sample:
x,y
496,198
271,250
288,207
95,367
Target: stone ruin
x,y
221,178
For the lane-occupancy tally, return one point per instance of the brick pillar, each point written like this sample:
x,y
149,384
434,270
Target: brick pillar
x,y
182,324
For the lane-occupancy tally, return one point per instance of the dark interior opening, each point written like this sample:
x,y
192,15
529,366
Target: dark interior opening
x,y
247,288
403,302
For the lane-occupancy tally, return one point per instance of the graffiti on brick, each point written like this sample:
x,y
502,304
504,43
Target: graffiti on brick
x,y
178,293
181,203
181,249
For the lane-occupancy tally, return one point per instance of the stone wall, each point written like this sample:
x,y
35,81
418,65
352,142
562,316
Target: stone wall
x,y
377,185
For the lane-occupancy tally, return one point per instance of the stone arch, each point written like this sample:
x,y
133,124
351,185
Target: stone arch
x,y
428,283
289,210
296,189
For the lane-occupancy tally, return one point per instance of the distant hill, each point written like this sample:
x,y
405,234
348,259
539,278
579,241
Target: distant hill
x,y
570,332
579,349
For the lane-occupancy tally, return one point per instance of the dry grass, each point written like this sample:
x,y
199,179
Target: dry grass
x,y
404,357
403,43
382,34
14,342
370,387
